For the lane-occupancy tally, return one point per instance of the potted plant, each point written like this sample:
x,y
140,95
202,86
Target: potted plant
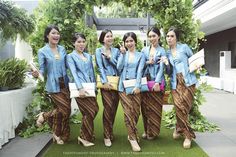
x,y
12,73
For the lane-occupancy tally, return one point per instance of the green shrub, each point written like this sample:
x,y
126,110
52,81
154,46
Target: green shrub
x,y
12,73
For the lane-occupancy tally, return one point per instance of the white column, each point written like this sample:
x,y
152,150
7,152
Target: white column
x,y
23,50
225,62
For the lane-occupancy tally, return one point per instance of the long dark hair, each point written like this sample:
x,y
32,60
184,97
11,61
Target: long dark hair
x,y
102,35
177,32
48,30
78,35
155,30
132,35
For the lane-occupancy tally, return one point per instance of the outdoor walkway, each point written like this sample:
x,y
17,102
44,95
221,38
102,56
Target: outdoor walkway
x,y
220,109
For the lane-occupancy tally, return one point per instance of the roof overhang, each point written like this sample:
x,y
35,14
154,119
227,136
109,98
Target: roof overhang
x,y
216,15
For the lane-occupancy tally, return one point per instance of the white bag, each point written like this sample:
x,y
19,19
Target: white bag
x,y
88,87
129,85
196,60
132,82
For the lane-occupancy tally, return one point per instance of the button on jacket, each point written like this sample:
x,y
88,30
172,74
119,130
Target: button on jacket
x,y
132,70
107,67
82,71
180,65
155,71
52,68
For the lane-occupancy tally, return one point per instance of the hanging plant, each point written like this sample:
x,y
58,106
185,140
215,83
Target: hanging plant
x,y
13,21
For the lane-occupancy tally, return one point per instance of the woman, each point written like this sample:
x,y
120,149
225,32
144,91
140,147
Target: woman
x,y
52,63
130,65
106,59
151,106
182,84
81,68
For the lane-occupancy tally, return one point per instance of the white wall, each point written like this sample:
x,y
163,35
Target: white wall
x,y
227,79
23,50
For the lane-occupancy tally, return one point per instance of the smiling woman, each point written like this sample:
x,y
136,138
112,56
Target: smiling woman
x,y
51,60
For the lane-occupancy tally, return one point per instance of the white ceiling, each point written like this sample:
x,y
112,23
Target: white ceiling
x,y
217,15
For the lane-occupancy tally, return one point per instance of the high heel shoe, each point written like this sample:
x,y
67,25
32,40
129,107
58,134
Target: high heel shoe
x,y
176,135
151,137
57,139
134,144
40,119
144,135
85,143
107,142
187,143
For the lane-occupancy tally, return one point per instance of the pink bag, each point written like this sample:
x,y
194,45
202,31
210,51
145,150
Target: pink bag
x,y
152,83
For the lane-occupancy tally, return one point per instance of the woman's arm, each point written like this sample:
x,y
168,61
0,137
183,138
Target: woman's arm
x,y
121,62
98,58
72,67
42,62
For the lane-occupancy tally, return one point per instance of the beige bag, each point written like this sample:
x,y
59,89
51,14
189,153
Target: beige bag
x,y
113,80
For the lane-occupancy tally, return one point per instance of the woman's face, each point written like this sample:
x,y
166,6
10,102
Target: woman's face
x,y
171,38
80,44
130,43
53,37
153,38
108,39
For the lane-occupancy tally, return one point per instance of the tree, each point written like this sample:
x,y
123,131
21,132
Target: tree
x,y
13,21
119,10
69,16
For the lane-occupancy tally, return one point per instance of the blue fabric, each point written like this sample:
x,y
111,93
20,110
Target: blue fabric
x,y
82,71
132,70
107,67
53,68
180,65
155,71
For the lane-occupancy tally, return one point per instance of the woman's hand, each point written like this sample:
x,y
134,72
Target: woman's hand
x,y
107,86
122,49
82,93
156,87
150,61
35,74
198,68
164,59
136,90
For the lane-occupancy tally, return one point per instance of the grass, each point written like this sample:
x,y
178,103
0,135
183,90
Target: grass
x,y
163,146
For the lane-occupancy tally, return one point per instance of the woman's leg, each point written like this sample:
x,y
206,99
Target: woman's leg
x,y
131,106
89,109
152,111
110,99
58,118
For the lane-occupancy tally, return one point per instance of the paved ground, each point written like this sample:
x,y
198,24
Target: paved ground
x,y
220,109
26,147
